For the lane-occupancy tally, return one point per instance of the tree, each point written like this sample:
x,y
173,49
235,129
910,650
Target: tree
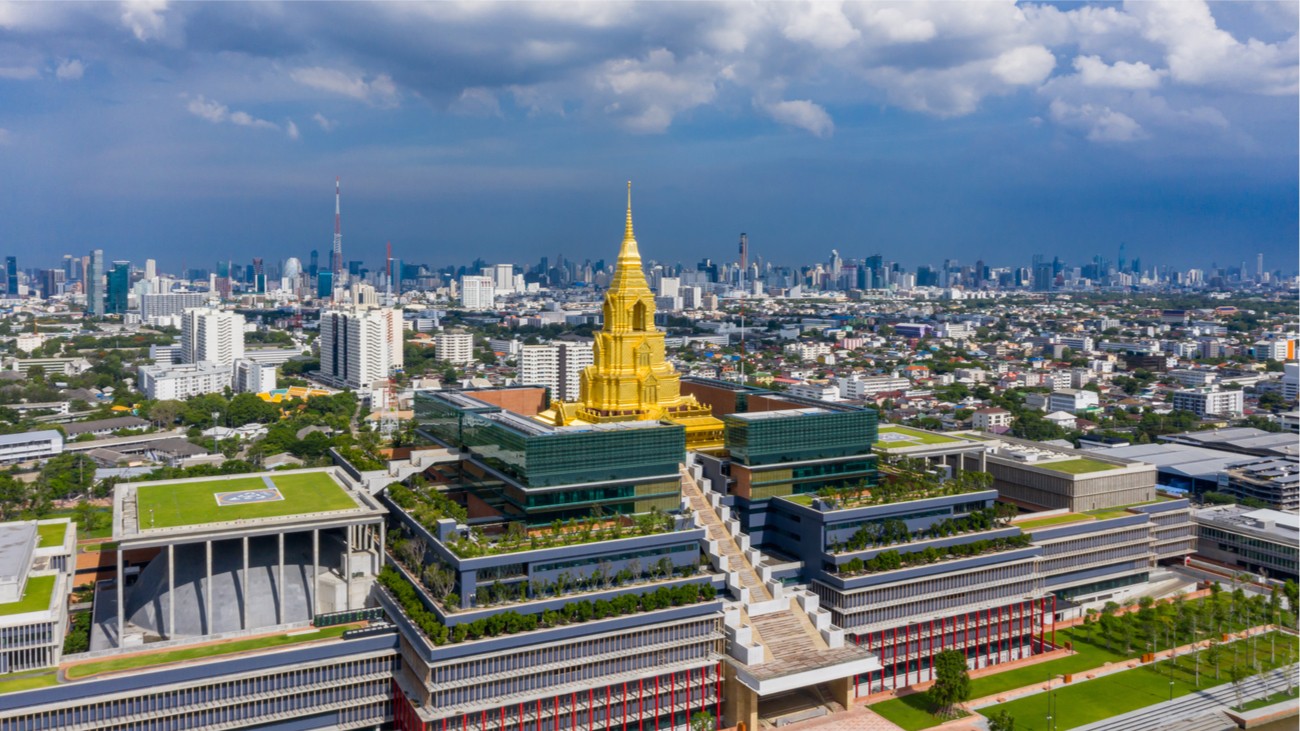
x,y
703,721
1002,721
951,683
165,413
88,517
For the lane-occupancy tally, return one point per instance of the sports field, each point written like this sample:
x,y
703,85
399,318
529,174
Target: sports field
x,y
171,504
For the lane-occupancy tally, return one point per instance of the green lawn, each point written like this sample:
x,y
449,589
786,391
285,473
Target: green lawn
x,y
804,499
1277,697
1087,656
1089,701
917,437
1050,520
51,534
1078,466
36,597
28,680
172,504
911,712
193,653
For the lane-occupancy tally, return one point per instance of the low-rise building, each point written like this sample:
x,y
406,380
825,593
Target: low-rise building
x,y
987,418
1210,401
30,445
1261,541
1072,400
183,381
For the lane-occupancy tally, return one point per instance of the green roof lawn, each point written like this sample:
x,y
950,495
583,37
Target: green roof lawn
x,y
151,659
51,534
805,499
1050,520
917,437
174,504
1078,466
911,712
36,597
28,681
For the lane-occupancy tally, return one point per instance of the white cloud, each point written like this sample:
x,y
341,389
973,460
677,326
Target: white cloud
x,y
145,19
291,129
19,73
1102,123
325,123
477,102
379,91
647,94
803,114
896,26
70,69
1198,52
821,25
217,113
1121,75
1024,66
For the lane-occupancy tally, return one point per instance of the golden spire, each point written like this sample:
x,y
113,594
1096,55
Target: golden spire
x,y
627,233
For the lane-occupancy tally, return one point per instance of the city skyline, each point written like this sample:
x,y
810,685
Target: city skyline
x,y
921,132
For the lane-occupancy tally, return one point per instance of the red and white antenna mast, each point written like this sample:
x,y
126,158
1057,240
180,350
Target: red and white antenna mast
x,y
336,265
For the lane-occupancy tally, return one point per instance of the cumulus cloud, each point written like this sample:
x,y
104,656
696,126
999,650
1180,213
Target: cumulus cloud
x,y
1198,52
803,114
218,113
146,19
647,94
1103,124
1120,75
1024,66
70,69
379,90
325,123
821,25
291,129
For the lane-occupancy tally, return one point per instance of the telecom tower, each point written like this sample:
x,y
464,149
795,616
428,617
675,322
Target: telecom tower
x,y
336,263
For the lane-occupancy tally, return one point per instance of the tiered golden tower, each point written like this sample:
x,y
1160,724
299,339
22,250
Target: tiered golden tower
x,y
629,379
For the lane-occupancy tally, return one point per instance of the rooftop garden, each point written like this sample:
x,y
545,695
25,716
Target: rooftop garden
x,y
903,482
511,622
591,529
51,534
171,504
892,560
31,680
36,596
150,659
1122,510
900,437
1051,520
426,504
1078,466
891,531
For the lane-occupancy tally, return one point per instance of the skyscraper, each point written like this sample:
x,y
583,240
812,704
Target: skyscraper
x,y
359,346
11,276
336,261
119,285
95,283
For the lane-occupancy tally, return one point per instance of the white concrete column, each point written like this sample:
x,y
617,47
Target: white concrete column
x,y
207,591
279,589
315,572
121,602
171,591
243,613
383,539
347,561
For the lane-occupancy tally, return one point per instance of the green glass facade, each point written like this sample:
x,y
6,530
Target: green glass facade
x,y
767,438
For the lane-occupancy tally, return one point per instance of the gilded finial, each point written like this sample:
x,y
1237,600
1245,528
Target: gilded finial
x,y
627,233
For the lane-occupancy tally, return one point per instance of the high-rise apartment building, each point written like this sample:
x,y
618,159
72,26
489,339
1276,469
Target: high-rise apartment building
x,y
166,304
119,286
211,335
503,277
95,283
1210,401
454,346
477,293
557,366
359,346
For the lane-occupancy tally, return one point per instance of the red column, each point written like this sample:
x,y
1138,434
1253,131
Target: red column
x,y
717,695
555,714
464,722
607,694
932,649
997,657
656,702
640,703
573,711
624,705
1053,620
893,656
590,708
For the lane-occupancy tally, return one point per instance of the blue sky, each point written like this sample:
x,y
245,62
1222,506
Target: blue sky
x,y
920,131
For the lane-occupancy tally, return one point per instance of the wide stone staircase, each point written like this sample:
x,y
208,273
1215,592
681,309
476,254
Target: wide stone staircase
x,y
773,632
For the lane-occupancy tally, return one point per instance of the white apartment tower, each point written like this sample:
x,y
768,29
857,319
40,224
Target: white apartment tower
x,y
557,366
454,346
211,335
359,346
477,293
